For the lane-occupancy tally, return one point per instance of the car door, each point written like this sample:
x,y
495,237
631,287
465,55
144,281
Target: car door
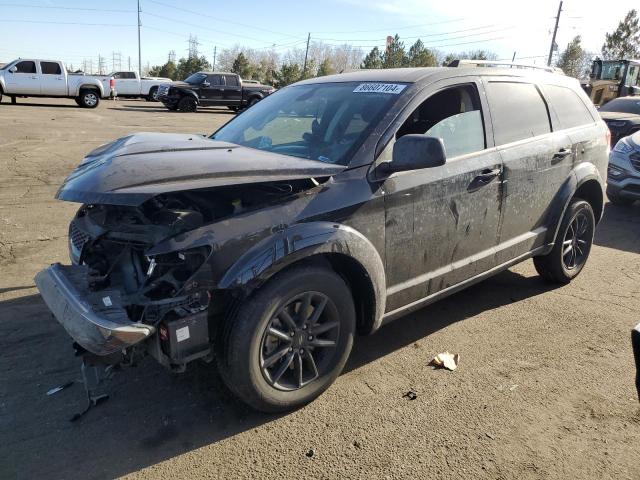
x,y
232,90
442,223
537,161
52,80
126,83
24,80
212,89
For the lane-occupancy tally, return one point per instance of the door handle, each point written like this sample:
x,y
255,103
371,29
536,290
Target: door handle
x,y
560,155
485,177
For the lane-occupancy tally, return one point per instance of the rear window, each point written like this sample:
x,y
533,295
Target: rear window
x,y
231,80
622,105
517,111
571,111
26,67
50,68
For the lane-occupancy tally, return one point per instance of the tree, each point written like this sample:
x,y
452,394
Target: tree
x,y
394,56
325,68
574,60
624,42
420,56
242,67
187,66
287,74
373,59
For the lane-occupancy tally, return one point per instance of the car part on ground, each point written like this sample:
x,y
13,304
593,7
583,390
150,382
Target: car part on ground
x,y
337,205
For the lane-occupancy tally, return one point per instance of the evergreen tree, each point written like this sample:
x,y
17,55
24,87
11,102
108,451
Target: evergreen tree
x,y
574,60
287,74
187,66
242,67
420,56
373,59
624,42
394,56
325,68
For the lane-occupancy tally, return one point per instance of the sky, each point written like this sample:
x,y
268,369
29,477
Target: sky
x,y
75,30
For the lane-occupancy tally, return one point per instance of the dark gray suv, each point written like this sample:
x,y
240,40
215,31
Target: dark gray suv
x,y
331,207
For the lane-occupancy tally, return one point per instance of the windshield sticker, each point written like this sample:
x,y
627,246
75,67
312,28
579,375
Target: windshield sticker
x,y
392,88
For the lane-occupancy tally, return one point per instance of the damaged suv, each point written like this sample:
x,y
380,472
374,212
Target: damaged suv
x,y
331,207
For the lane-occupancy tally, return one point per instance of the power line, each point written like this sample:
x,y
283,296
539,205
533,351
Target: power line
x,y
19,5
69,23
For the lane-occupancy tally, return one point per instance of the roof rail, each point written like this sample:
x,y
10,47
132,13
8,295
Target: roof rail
x,y
497,63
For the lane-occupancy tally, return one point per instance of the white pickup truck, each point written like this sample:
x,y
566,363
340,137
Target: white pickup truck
x,y
49,78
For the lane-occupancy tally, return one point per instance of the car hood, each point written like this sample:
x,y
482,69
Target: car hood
x,y
620,116
135,168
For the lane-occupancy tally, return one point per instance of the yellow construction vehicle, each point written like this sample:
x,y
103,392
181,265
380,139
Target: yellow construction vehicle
x,y
611,79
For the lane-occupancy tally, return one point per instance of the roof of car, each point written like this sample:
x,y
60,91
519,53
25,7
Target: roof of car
x,y
413,75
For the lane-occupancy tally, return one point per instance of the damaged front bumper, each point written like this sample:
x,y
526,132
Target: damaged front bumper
x,y
96,320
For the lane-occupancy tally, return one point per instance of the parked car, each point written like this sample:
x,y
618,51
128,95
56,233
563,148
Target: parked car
x,y
622,116
212,89
330,208
49,78
129,84
623,178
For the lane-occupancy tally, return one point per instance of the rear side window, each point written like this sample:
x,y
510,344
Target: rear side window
x,y
517,110
50,68
215,79
26,67
231,80
568,106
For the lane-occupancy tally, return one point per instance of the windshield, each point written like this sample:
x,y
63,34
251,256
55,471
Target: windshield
x,y
323,121
7,65
622,105
195,78
611,70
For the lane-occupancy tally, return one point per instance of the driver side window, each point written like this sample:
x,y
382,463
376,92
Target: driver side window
x,y
453,115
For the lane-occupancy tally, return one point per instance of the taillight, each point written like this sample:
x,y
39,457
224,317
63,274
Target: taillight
x,y
608,136
163,332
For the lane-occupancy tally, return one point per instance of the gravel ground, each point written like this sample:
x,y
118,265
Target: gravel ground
x,y
544,388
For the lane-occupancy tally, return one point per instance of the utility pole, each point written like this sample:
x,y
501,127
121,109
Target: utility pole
x,y
553,39
139,48
306,53
129,64
213,66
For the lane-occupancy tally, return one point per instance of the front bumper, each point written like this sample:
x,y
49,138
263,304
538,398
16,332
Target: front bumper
x,y
169,100
626,185
635,342
96,320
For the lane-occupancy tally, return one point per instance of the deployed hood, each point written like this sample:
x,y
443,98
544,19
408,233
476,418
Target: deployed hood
x,y
133,169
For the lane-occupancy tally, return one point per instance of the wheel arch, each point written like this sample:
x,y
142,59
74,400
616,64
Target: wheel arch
x,y
339,247
90,86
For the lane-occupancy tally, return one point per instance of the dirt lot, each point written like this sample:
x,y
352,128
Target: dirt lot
x,y
544,389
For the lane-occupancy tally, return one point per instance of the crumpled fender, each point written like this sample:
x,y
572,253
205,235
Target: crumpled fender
x,y
304,240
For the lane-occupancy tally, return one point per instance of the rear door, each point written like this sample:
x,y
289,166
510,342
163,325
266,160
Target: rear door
x,y
212,90
24,80
52,80
537,161
442,222
232,90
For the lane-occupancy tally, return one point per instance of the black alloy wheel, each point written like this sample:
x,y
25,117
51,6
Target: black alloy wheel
x,y
299,340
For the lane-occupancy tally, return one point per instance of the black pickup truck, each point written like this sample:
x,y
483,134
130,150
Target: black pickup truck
x,y
212,89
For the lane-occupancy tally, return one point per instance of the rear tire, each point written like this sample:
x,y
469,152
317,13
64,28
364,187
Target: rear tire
x,y
573,244
89,98
187,104
153,95
276,355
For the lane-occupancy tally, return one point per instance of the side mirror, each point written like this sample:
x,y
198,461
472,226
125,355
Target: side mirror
x,y
13,69
414,152
206,84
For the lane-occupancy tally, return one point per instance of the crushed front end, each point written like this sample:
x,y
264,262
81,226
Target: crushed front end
x,y
116,296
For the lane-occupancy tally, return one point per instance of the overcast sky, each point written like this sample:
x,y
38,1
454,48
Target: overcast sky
x,y
76,30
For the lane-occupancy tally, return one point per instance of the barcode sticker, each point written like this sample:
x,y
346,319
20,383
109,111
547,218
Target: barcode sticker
x,y
392,88
182,334
107,301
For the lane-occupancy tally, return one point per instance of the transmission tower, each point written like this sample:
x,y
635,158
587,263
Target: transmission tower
x,y
193,46
100,65
172,56
116,61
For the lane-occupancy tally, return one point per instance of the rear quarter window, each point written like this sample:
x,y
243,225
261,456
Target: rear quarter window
x,y
518,111
571,111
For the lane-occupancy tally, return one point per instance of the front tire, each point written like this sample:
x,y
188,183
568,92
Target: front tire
x,y
290,341
153,95
572,247
89,99
187,104
253,101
